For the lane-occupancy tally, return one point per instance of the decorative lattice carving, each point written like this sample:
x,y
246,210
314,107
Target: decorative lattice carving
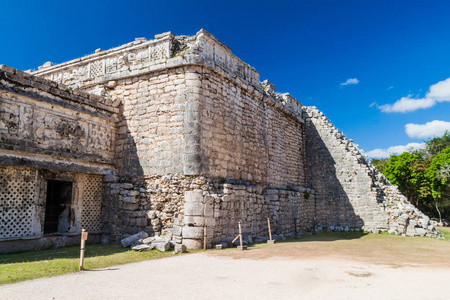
x,y
91,203
97,68
158,52
100,138
17,198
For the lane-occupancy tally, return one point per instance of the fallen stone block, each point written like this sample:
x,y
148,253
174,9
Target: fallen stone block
x,y
161,245
403,220
180,248
421,231
410,231
221,245
142,247
148,241
128,241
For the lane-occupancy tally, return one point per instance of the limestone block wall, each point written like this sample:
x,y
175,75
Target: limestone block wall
x,y
219,211
154,204
151,136
49,132
181,207
244,137
40,119
192,107
194,118
349,190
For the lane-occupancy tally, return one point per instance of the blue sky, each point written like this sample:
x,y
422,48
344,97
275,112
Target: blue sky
x,y
392,49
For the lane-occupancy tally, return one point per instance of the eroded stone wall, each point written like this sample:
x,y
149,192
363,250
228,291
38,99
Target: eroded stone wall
x,y
244,137
49,132
154,204
181,207
219,211
350,191
151,136
42,122
195,120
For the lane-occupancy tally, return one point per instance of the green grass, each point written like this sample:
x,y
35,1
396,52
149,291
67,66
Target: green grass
x,y
445,231
35,264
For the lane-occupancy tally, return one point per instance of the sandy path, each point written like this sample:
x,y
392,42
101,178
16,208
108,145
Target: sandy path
x,y
207,276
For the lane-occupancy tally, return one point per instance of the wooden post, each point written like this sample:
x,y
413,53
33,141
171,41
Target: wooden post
x,y
241,247
240,234
270,241
295,228
84,236
235,239
205,239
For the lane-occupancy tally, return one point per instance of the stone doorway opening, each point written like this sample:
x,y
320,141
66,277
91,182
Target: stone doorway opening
x,y
58,213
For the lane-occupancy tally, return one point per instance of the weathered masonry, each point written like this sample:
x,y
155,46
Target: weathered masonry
x,y
55,148
174,136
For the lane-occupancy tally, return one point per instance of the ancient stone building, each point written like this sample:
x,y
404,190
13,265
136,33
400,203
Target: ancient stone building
x,y
173,136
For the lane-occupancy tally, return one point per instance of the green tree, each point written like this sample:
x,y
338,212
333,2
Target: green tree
x,y
407,171
380,163
438,174
438,144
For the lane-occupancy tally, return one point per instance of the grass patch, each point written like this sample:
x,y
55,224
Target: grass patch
x,y
35,264
445,231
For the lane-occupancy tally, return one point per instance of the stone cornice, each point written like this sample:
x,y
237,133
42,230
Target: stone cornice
x,y
24,84
140,58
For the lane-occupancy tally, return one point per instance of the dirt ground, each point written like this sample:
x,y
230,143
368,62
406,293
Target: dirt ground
x,y
335,269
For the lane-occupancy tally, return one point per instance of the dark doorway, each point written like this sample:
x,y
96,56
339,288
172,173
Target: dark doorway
x,y
57,206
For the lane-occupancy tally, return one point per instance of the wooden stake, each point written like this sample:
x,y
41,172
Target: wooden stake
x,y
270,241
240,234
235,239
205,239
241,247
84,236
295,227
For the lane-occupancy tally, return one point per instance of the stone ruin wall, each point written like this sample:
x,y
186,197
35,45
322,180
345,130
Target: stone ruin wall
x,y
41,120
151,134
244,137
195,119
350,192
50,133
201,143
22,211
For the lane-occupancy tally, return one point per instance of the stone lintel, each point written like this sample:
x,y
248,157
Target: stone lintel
x,y
52,163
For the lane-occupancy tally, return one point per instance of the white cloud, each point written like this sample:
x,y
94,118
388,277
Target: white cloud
x,y
439,92
427,130
390,88
350,81
408,104
372,104
385,153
